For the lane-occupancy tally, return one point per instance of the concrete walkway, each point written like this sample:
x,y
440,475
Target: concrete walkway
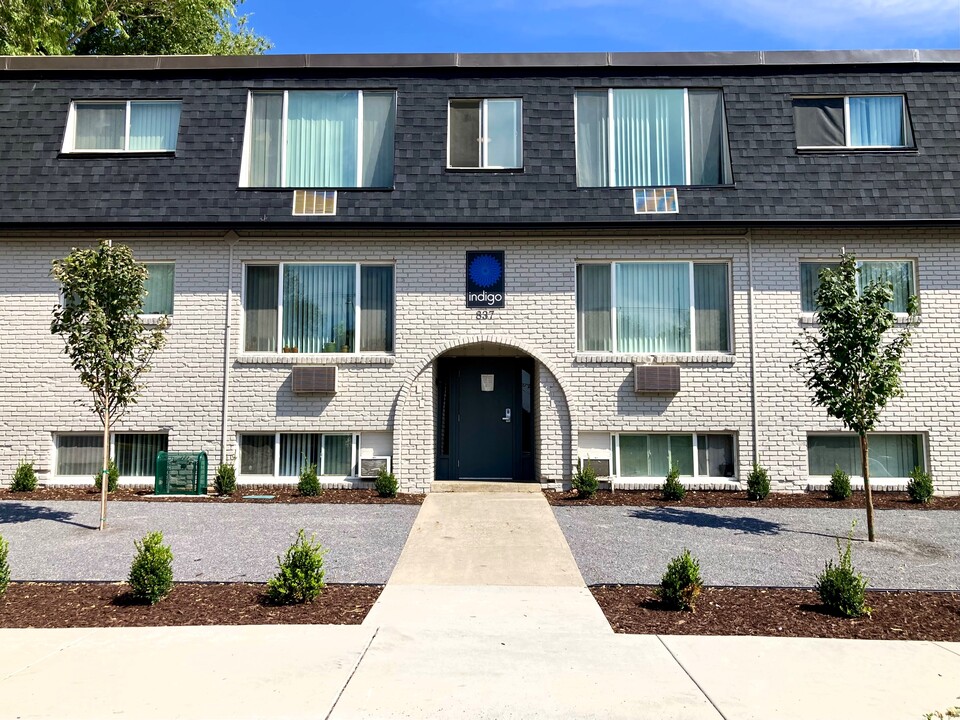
x,y
485,616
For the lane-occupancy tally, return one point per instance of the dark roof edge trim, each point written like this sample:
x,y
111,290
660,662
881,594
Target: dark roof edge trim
x,y
775,58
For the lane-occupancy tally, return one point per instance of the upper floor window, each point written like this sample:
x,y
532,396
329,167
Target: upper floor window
x,y
123,126
319,139
158,289
318,308
898,273
653,307
855,121
638,138
484,134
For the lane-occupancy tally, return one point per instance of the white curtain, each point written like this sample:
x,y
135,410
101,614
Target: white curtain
x,y
592,145
318,308
876,121
653,307
322,139
99,126
649,138
266,119
503,133
154,125
136,455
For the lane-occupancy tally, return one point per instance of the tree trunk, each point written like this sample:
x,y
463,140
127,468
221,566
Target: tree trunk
x,y
864,459
105,473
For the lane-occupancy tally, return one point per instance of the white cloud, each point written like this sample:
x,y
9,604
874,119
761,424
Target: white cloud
x,y
833,20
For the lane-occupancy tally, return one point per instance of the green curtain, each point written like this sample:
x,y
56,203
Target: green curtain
x,y
337,455
653,307
322,139
649,138
158,289
297,450
318,308
266,131
593,308
136,454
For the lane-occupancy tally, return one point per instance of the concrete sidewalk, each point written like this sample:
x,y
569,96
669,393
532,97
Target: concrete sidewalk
x,y
485,616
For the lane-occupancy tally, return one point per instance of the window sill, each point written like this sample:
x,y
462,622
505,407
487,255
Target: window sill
x,y
808,319
658,358
853,150
315,359
116,153
495,170
822,484
153,320
647,483
723,186
352,188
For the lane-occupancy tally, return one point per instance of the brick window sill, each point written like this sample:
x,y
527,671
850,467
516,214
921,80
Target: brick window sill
x,y
309,359
657,358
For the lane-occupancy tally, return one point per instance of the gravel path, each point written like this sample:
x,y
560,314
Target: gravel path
x,y
775,547
237,542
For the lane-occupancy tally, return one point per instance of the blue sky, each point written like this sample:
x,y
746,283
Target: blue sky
x,y
316,26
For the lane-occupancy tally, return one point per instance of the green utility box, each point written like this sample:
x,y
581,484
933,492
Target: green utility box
x,y
181,474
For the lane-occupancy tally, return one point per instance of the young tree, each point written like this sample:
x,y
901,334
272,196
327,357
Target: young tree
x,y
851,363
126,27
108,344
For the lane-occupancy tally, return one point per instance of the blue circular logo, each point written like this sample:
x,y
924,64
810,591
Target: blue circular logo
x,y
485,271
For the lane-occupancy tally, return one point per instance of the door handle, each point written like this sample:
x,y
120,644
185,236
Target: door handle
x,y
506,415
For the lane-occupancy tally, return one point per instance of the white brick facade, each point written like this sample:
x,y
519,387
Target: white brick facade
x,y
575,393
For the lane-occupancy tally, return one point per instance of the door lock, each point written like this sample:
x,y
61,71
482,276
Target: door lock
x,y
506,415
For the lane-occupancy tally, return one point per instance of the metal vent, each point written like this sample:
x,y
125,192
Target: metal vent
x,y
655,201
601,466
320,380
369,467
656,379
314,202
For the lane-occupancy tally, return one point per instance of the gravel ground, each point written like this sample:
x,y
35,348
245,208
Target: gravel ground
x,y
238,542
772,547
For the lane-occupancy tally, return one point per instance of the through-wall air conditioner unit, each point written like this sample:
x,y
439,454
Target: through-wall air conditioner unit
x,y
656,379
319,380
314,202
371,466
601,466
655,201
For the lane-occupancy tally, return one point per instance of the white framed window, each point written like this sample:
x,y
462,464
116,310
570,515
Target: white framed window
x,y
318,308
122,126
81,454
697,455
651,137
484,134
900,274
892,455
653,307
852,122
158,288
318,139
283,455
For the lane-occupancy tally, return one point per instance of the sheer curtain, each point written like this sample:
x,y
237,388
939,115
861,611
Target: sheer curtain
x,y
322,133
99,126
379,121
593,308
876,121
158,289
827,452
592,150
810,283
257,454
503,133
318,308
653,307
894,455
297,450
154,125
266,119
648,136
711,299
137,454
260,308
376,308
79,454
337,454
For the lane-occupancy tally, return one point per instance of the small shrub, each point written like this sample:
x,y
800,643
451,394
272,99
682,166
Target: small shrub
x,y
113,478
24,478
225,481
680,585
585,481
4,565
151,573
309,485
920,487
839,485
386,484
299,578
758,483
673,489
841,588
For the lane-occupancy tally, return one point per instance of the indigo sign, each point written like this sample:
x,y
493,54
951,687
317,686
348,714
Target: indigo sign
x,y
484,274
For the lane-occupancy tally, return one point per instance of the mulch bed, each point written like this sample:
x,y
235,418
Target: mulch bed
x,y
783,612
280,495
727,498
62,605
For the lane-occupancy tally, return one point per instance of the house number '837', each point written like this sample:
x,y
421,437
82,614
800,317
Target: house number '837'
x,y
484,314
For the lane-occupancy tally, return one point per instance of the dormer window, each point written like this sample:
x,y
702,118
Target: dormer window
x,y
852,122
126,126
